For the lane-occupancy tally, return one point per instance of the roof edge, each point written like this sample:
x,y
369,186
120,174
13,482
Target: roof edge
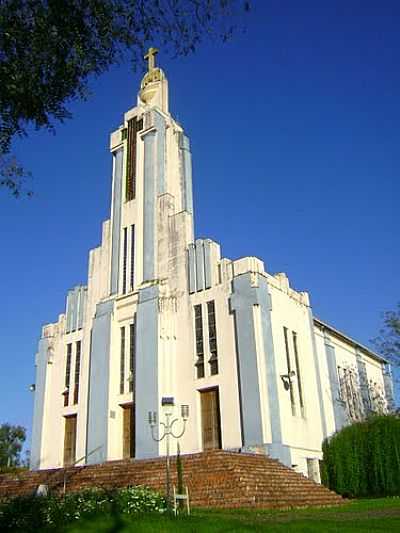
x,y
350,340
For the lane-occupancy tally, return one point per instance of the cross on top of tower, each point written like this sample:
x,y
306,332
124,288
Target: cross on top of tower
x,y
151,58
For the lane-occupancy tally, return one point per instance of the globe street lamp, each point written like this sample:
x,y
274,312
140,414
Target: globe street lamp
x,y
168,404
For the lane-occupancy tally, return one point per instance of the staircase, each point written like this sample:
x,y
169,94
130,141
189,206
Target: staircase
x,y
215,479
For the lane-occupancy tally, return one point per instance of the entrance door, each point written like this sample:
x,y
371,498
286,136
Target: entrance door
x,y
128,431
210,419
70,440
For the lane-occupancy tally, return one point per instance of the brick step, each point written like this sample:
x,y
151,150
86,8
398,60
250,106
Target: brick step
x,y
215,479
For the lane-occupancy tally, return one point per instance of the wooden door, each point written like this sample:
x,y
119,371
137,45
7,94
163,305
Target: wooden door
x,y
128,431
70,440
210,419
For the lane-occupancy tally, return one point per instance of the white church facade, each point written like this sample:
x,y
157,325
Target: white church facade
x,y
164,315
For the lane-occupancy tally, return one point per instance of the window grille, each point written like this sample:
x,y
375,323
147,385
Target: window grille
x,y
132,277
296,358
122,363
132,356
67,374
124,260
212,338
77,371
198,325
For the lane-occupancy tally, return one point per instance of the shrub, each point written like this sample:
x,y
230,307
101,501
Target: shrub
x,y
21,514
364,459
140,500
50,513
77,505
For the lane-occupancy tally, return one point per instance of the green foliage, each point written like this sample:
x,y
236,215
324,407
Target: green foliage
x,y
140,499
27,514
39,513
364,459
12,439
179,470
50,49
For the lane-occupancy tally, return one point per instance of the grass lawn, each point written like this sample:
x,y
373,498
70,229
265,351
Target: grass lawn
x,y
355,516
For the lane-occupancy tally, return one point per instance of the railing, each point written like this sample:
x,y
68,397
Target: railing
x,y
75,463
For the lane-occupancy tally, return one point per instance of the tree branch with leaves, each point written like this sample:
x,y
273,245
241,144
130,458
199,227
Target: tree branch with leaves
x,y
388,341
49,49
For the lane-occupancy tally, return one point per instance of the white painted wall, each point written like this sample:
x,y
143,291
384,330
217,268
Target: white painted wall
x,y
302,429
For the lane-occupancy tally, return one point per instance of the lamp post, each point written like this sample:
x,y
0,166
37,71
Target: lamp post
x,y
168,406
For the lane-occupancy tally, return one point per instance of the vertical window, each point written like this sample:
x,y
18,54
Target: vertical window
x,y
122,363
212,338
124,260
67,373
296,358
77,371
198,327
132,279
134,126
132,356
289,370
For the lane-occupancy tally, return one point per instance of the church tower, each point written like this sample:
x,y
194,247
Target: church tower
x,y
151,227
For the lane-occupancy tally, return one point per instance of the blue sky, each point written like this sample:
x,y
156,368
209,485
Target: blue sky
x,y
294,127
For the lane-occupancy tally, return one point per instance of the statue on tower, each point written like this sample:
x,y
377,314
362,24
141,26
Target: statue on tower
x,y
151,58
153,83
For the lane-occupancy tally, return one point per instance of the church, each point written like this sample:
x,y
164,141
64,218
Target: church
x,y
234,351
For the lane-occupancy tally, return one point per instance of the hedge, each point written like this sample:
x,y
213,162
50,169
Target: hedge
x,y
364,459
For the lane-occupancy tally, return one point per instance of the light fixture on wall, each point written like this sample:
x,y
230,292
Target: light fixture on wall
x,y
287,379
32,387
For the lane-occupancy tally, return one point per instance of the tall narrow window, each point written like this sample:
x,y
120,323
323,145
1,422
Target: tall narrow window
x,y
289,371
122,363
132,356
77,371
134,126
296,358
198,327
67,374
124,260
132,283
212,338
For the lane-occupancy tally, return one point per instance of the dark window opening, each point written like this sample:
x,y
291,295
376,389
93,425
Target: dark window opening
x,y
122,363
67,374
77,371
124,260
289,370
198,327
134,126
132,357
296,358
212,338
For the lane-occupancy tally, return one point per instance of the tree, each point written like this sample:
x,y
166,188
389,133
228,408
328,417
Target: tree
x,y
388,341
49,49
12,439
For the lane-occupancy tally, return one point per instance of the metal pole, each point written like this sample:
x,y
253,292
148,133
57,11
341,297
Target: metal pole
x,y
168,480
